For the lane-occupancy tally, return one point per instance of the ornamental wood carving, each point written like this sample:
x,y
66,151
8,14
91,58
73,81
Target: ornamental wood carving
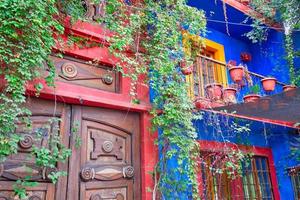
x,y
107,173
111,137
79,72
106,147
118,196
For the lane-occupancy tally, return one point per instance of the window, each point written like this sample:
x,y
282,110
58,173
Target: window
x,y
254,183
295,176
256,179
215,185
209,67
203,73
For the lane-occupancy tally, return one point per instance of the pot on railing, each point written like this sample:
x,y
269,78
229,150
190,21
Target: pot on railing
x,y
251,98
289,90
214,91
269,84
185,68
229,95
288,87
236,73
200,103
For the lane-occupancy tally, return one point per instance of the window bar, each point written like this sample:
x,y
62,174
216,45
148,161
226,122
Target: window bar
x,y
210,181
199,74
207,75
261,175
269,179
249,183
256,179
214,71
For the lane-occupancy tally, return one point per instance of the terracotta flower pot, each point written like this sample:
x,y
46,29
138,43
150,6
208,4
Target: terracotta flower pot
x,y
289,90
200,103
269,84
236,73
185,69
229,95
214,91
251,98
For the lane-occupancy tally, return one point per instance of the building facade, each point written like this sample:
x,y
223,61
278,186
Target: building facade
x,y
92,102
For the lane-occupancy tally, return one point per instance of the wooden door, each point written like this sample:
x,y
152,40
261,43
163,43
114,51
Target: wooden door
x,y
106,166
22,165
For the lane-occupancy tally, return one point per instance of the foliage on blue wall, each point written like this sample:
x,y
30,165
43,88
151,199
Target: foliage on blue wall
x,y
280,139
267,59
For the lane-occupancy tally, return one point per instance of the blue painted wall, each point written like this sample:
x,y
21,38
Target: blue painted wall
x,y
279,139
267,59
232,46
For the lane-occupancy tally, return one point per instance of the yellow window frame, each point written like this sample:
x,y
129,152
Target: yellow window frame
x,y
220,74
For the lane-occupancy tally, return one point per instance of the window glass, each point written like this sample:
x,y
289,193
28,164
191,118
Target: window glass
x,y
295,176
255,180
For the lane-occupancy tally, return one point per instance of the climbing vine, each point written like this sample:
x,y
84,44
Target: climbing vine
x,y
152,32
148,39
286,13
26,41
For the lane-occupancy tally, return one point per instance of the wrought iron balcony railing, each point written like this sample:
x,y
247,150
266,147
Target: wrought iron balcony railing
x,y
214,81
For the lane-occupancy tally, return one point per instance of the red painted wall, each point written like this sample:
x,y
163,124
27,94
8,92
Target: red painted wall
x,y
75,94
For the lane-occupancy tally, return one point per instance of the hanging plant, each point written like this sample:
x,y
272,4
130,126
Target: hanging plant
x,y
289,16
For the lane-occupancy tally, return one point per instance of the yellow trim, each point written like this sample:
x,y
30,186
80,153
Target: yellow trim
x,y
219,54
190,42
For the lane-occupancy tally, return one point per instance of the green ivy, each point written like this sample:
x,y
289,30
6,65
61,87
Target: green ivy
x,y
152,32
26,41
286,13
147,39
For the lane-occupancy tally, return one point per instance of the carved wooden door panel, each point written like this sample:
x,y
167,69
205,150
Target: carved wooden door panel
x,y
106,166
22,165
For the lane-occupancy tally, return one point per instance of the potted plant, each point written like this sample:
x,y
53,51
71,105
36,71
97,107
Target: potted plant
x,y
236,73
229,95
289,90
268,83
246,57
288,87
253,94
214,91
200,103
186,67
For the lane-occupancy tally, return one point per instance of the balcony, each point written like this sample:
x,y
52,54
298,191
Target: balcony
x,y
215,84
